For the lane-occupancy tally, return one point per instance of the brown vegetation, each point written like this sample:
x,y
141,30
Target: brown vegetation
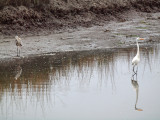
x,y
18,16
28,3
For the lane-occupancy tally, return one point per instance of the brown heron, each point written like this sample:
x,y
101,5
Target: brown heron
x,y
18,44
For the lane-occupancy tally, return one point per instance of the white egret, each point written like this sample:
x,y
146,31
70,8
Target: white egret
x,y
18,44
136,59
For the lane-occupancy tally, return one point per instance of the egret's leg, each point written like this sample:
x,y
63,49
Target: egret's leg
x,y
133,69
137,69
136,76
133,72
133,76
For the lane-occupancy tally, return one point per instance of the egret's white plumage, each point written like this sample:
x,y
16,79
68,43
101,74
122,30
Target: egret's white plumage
x,y
136,59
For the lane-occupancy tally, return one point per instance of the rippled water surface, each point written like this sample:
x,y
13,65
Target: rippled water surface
x,y
95,85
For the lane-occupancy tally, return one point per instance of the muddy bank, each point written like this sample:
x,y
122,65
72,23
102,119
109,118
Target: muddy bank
x,y
105,36
95,28
60,15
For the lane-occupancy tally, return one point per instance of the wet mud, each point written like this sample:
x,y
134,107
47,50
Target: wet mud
x,y
105,36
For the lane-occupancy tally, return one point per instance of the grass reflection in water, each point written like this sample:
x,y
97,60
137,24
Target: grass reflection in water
x,y
33,80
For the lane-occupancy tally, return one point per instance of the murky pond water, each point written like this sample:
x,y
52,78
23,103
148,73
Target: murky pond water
x,y
95,85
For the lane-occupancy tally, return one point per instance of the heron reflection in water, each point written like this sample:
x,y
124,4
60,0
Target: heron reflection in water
x,y
136,87
18,71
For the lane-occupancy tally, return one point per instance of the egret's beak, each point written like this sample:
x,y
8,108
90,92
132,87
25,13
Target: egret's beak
x,y
141,38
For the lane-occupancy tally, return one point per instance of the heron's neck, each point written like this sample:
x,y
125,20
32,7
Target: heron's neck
x,y
137,49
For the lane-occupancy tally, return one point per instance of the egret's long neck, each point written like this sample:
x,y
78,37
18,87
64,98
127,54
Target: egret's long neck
x,y
137,49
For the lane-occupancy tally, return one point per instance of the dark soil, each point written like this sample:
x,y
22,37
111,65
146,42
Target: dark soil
x,y
64,14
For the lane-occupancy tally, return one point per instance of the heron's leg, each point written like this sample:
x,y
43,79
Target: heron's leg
x,y
17,51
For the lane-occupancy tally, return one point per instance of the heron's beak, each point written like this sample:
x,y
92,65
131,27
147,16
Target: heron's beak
x,y
141,38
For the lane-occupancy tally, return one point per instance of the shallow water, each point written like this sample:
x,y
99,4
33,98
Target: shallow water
x,y
85,85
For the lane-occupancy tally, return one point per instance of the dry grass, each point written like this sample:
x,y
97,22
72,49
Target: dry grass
x,y
55,14
29,3
73,7
79,4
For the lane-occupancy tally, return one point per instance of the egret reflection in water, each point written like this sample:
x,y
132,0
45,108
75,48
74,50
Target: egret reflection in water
x,y
135,85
